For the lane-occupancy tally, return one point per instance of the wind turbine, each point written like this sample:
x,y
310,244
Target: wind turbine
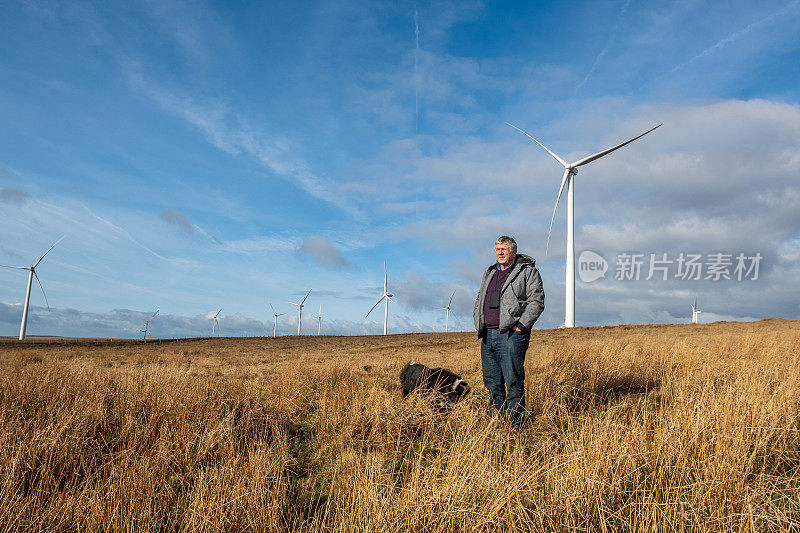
x,y
214,325
570,171
32,274
275,327
385,298
319,321
300,311
695,312
447,316
146,323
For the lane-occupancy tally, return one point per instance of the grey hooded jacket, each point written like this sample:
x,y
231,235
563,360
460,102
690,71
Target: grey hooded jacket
x,y
521,298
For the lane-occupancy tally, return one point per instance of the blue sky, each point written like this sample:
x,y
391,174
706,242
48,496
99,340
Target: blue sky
x,y
204,155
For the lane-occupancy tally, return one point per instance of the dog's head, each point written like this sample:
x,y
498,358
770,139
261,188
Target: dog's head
x,y
458,390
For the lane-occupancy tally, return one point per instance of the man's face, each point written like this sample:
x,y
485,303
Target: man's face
x,y
504,255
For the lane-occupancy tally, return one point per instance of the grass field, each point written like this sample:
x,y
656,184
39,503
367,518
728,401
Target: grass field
x,y
634,428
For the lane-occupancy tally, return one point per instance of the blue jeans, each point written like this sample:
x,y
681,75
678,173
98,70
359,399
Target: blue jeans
x,y
503,362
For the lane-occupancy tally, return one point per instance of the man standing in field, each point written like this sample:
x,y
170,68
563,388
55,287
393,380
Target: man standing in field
x,y
510,300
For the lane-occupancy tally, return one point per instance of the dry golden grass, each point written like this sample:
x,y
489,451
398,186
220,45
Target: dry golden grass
x,y
631,428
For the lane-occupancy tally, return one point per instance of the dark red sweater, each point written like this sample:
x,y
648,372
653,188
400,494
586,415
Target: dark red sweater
x,y
492,316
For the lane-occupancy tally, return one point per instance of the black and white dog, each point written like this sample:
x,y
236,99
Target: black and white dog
x,y
447,386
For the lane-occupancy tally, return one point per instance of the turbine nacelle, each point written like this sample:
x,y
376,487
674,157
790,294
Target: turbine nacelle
x,y
570,170
300,310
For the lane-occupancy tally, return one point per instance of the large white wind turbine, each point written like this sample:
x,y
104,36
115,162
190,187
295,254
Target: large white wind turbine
x,y
385,298
300,311
214,325
447,316
570,171
695,312
319,321
275,327
31,274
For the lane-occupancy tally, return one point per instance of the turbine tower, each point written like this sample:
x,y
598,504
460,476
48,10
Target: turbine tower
x,y
214,325
275,327
447,316
319,321
31,274
300,311
385,298
146,324
695,312
570,171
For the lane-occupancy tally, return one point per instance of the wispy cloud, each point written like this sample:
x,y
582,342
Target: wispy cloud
x,y
262,244
231,133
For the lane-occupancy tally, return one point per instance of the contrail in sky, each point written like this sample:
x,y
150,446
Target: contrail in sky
x,y
124,233
735,35
416,70
611,38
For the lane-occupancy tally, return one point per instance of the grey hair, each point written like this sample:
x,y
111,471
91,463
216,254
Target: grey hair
x,y
505,239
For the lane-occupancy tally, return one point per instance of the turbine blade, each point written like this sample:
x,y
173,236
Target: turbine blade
x,y
48,251
558,198
374,306
540,144
21,268
40,286
451,299
304,299
385,279
273,309
598,155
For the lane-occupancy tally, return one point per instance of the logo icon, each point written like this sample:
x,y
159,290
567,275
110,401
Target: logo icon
x,y
591,266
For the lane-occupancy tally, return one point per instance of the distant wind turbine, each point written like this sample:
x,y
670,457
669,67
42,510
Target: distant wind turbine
x,y
385,298
31,274
570,171
214,325
300,311
319,321
275,327
695,312
146,324
447,316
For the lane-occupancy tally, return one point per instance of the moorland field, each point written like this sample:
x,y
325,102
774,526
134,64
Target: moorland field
x,y
662,428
